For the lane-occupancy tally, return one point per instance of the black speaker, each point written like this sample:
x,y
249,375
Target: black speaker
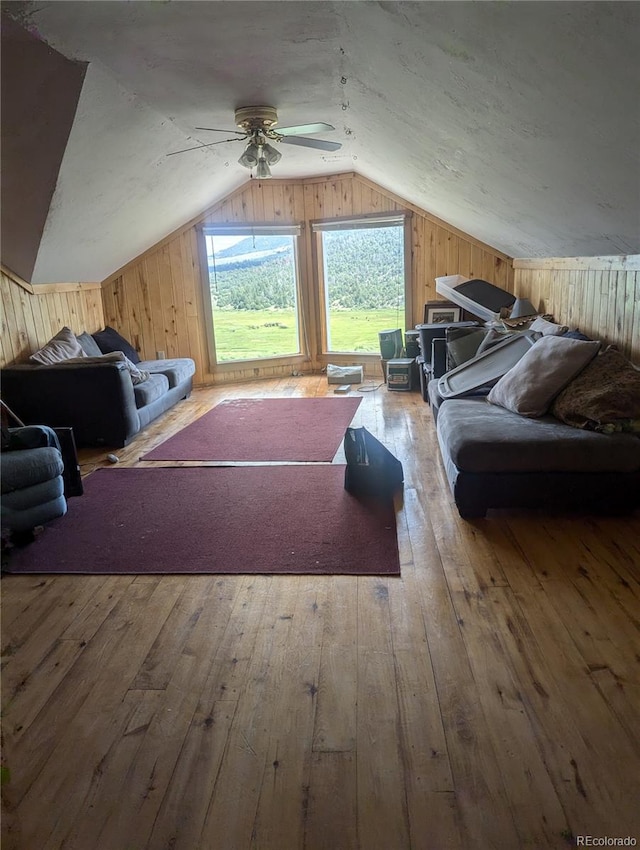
x,y
71,474
412,343
371,469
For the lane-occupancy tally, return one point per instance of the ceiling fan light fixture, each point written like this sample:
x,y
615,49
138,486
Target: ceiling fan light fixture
x,y
250,156
263,172
271,154
256,129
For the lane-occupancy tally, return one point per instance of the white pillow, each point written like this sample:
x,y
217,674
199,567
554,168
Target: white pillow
x,y
546,328
60,347
137,375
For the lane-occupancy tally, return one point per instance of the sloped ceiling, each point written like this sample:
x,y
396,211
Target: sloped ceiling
x,y
519,122
37,117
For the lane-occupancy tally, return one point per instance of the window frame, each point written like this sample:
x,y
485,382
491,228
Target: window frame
x,y
369,221
250,229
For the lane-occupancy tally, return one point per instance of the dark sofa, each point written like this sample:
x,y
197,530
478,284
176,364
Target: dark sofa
x,y
559,429
498,459
97,399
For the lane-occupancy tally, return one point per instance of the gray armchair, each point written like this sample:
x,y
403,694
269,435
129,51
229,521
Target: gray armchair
x,y
32,478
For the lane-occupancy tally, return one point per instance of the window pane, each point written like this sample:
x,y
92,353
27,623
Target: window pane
x,y
253,296
364,286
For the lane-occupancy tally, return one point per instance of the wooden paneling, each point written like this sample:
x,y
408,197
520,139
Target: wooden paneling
x,y
157,300
31,315
598,295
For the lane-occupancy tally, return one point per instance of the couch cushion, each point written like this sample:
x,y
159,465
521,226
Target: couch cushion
x,y
480,437
60,347
151,389
529,387
38,503
27,467
89,345
110,340
177,370
435,399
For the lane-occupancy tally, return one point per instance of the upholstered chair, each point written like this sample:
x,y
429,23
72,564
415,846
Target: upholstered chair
x,y
31,478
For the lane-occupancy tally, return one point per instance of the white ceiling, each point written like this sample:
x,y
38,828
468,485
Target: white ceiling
x,y
517,122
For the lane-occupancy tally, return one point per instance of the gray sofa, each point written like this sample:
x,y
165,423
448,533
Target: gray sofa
x,y
97,399
498,459
557,429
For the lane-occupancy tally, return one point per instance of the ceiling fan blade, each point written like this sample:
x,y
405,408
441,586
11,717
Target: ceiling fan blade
x,y
304,129
319,144
215,130
198,147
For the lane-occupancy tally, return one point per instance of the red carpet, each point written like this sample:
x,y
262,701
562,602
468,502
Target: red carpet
x,y
263,429
265,519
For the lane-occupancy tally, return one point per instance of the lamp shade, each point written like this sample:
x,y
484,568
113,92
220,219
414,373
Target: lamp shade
x,y
522,307
271,154
250,155
263,172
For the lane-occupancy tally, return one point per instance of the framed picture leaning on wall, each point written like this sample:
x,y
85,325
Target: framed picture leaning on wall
x,y
441,312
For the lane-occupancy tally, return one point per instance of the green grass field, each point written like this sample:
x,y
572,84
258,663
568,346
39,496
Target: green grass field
x,y
252,334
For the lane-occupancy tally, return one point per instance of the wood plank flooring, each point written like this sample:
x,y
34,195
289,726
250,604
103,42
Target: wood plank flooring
x,y
487,698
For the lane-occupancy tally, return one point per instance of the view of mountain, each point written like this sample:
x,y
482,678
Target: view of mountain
x,y
253,244
364,270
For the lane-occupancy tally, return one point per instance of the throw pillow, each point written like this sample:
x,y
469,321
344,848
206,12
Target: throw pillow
x,y
110,340
546,328
137,375
575,335
605,396
89,345
529,387
60,347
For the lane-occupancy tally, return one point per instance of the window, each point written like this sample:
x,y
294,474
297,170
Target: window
x,y
361,263
253,287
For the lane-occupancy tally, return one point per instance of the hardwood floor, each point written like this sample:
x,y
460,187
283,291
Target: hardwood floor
x,y
487,698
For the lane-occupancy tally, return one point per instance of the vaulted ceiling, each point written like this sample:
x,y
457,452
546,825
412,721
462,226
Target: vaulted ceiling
x,y
517,122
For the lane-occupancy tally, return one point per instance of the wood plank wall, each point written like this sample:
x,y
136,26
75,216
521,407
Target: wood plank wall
x,y
31,315
598,295
157,300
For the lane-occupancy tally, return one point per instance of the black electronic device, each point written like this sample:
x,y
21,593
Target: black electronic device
x,y
71,473
427,333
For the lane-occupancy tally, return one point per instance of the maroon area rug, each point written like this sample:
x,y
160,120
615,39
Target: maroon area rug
x,y
263,429
264,519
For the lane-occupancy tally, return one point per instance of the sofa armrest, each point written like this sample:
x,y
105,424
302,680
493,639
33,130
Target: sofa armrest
x,y
96,400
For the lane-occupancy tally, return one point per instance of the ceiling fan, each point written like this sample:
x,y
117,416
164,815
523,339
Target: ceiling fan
x,y
257,125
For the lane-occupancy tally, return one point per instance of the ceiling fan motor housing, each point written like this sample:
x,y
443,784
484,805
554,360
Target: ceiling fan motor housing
x,y
252,118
